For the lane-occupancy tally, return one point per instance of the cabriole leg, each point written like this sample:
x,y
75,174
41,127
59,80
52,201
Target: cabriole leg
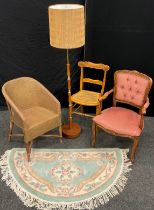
x,y
93,134
135,145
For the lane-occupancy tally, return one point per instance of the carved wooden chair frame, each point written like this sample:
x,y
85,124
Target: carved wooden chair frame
x,y
142,111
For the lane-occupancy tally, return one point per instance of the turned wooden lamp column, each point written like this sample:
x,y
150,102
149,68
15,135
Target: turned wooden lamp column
x,y
67,31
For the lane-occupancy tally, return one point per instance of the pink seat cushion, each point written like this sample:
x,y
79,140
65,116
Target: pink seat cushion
x,y
120,120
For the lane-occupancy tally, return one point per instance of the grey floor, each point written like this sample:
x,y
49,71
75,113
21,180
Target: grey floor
x,y
139,191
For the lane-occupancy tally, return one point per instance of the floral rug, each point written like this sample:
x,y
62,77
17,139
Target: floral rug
x,y
65,178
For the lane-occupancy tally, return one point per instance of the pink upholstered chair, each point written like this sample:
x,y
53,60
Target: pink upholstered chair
x,y
130,87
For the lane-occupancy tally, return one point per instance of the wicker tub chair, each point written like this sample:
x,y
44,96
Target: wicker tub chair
x,y
32,108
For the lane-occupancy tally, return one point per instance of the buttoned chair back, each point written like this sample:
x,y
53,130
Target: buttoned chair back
x,y
131,87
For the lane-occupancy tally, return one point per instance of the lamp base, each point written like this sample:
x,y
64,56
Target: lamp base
x,y
71,133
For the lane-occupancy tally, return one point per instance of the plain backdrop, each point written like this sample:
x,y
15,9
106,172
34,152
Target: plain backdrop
x,y
118,33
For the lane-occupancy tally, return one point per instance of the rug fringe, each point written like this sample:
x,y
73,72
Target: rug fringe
x,y
30,200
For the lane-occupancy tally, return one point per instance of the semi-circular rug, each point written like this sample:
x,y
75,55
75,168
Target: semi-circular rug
x,y
65,178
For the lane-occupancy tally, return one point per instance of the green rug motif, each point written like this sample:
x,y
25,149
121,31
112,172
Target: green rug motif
x,y
65,178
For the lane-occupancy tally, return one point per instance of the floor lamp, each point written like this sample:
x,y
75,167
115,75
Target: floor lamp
x,y
67,31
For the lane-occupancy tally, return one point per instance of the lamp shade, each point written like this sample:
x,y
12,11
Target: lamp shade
x,y
67,27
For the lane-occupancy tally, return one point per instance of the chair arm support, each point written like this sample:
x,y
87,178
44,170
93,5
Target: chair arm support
x,y
49,101
12,107
143,112
105,95
146,105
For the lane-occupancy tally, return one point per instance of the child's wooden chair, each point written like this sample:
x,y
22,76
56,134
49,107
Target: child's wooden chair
x,y
87,97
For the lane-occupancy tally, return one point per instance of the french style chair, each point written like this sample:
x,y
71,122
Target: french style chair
x,y
86,97
130,87
32,108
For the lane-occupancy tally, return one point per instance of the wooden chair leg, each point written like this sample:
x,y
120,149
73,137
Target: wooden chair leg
x,y
28,149
10,130
94,134
100,107
135,145
98,110
82,109
60,133
31,143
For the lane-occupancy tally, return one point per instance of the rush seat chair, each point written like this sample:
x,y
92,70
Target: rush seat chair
x,y
130,87
32,108
86,97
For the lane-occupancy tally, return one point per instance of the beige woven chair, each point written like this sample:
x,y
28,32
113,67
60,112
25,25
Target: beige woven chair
x,y
32,108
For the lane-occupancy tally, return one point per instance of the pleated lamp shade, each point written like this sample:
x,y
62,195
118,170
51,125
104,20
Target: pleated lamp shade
x,y
67,26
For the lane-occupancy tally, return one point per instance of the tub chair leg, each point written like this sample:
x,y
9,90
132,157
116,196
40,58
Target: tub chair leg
x,y
28,150
10,130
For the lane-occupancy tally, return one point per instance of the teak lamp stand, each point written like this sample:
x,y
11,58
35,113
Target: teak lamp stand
x,y
67,31
72,129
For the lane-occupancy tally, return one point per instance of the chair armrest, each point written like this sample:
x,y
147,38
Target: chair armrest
x,y
16,110
105,95
143,112
49,101
146,105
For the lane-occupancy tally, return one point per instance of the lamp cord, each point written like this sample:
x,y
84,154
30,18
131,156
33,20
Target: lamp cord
x,y
68,57
84,55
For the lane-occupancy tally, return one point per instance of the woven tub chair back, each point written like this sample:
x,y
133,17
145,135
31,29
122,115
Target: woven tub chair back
x,y
24,92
